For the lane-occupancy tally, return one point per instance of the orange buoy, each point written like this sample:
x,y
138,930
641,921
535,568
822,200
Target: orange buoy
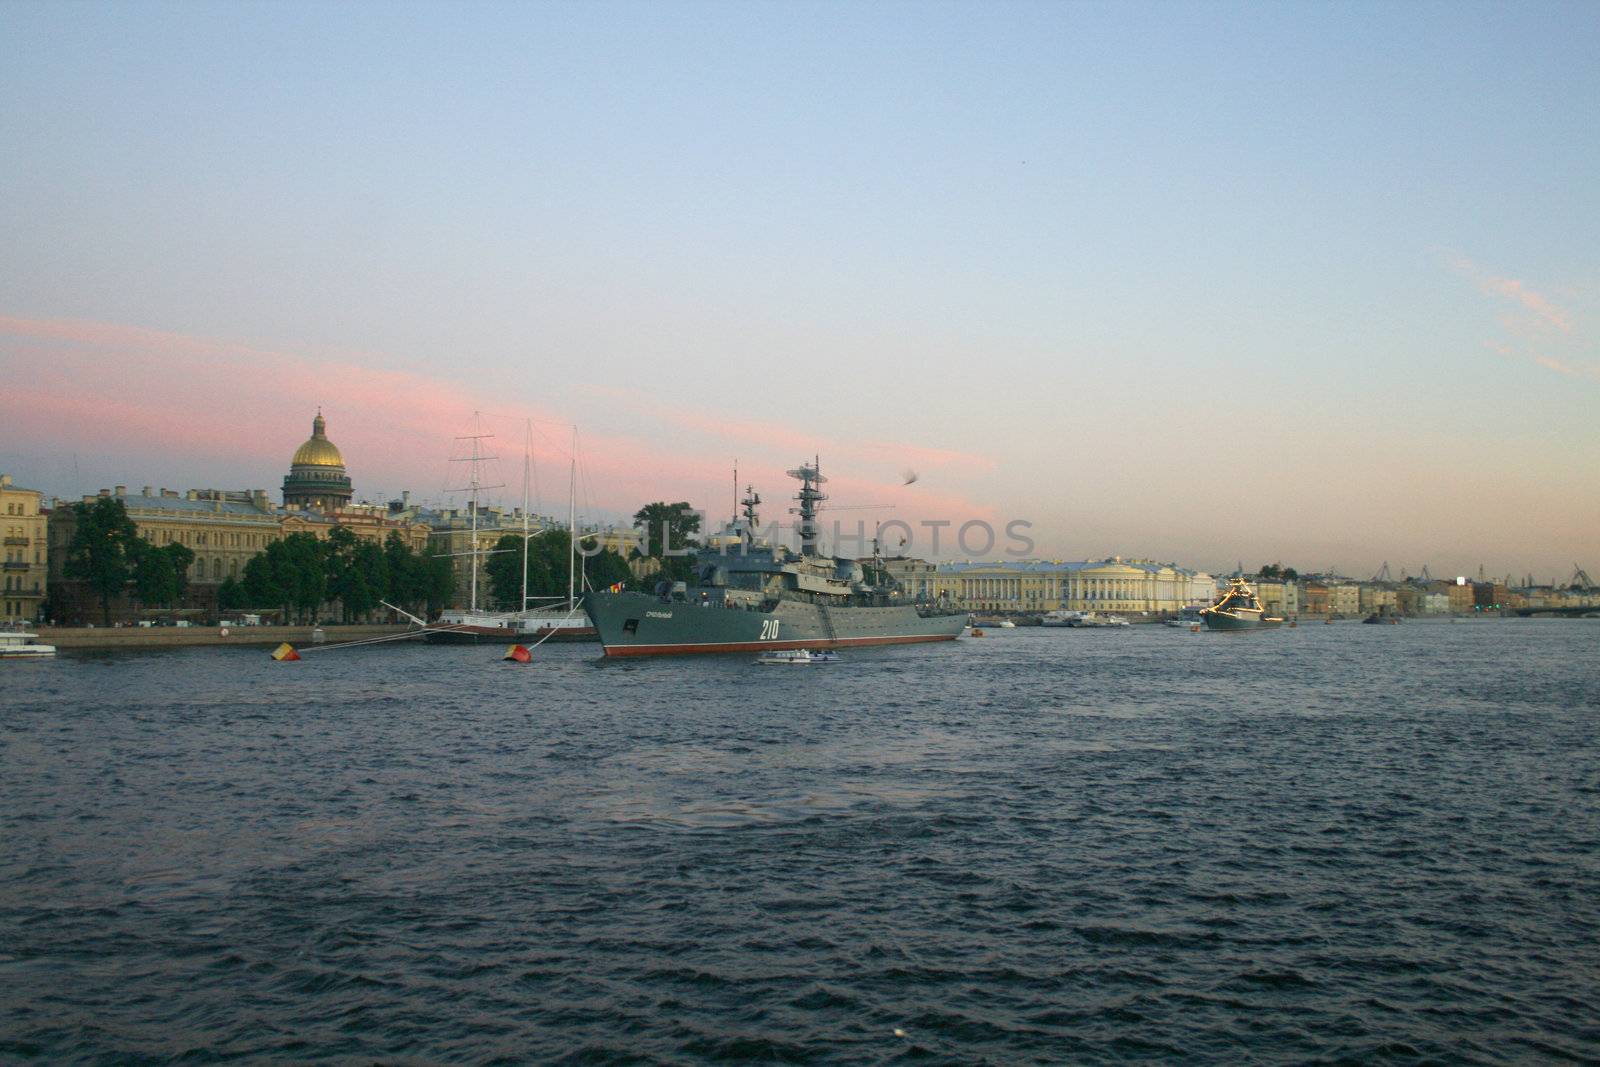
x,y
976,632
518,654
285,653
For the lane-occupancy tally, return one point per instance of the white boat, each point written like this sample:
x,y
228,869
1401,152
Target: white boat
x,y
1094,619
1060,617
1188,618
23,646
784,657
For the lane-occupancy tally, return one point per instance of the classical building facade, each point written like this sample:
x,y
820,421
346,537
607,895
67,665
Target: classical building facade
x,y
25,566
224,528
317,480
1116,584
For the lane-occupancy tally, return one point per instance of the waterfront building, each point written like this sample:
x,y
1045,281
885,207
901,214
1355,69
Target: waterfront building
x,y
25,566
1111,585
1378,599
1344,598
224,528
1279,597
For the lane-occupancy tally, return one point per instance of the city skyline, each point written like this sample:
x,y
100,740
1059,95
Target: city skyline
x,y
1201,284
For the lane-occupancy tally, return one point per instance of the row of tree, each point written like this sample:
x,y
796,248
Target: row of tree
x,y
295,576
549,562
301,573
108,554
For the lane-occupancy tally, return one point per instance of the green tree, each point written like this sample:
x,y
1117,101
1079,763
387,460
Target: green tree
x,y
503,568
104,546
669,531
182,558
261,586
604,568
155,582
436,583
365,580
230,595
303,569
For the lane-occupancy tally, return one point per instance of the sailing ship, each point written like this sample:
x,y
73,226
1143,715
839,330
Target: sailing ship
x,y
1238,608
551,623
753,596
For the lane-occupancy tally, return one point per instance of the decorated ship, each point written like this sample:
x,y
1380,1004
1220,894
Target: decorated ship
x,y
1238,609
750,595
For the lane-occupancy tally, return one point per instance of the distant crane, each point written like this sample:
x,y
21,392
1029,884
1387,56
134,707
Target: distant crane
x,y
1580,578
1383,574
1426,577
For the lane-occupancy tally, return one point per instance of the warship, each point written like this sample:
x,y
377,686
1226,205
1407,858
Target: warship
x,y
1238,609
750,595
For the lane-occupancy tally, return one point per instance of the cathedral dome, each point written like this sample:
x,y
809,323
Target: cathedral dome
x,y
318,451
317,479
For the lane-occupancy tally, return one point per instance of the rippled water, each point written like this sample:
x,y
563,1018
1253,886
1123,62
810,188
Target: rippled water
x,y
1334,842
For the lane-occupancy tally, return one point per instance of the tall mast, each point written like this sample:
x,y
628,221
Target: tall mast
x,y
572,522
474,484
527,462
810,476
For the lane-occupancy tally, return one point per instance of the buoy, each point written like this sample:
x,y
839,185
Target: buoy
x,y
284,653
1195,628
976,632
518,654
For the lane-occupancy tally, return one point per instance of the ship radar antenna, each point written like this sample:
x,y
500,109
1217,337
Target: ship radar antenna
x,y
751,501
809,476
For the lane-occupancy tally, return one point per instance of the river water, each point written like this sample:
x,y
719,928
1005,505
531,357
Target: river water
x,y
1333,842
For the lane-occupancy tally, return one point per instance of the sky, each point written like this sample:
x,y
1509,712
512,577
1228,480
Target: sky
x,y
1310,283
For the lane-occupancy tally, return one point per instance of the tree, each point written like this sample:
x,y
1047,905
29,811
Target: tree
x,y
669,531
261,586
365,583
230,595
155,582
437,582
504,571
103,548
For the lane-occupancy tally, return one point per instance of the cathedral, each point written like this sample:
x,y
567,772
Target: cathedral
x,y
317,480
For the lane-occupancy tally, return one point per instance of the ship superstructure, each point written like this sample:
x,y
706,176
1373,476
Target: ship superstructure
x,y
1238,608
752,595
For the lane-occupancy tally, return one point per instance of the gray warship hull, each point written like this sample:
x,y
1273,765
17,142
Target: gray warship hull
x,y
640,624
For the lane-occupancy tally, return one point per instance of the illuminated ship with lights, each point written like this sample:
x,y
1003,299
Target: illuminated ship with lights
x,y
1238,609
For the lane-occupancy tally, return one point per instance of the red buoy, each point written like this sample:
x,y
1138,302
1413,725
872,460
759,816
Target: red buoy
x,y
518,654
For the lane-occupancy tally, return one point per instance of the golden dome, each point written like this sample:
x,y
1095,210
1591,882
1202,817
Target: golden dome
x,y
318,451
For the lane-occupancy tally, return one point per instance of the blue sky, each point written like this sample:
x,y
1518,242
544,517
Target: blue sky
x,y
1120,261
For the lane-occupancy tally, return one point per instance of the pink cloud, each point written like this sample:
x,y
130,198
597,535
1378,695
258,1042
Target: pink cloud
x,y
150,400
1543,309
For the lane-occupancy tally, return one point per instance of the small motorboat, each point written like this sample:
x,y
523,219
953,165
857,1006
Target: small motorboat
x,y
824,655
23,646
785,657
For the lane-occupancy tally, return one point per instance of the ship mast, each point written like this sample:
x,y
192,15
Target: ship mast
x,y
474,485
572,521
527,464
810,476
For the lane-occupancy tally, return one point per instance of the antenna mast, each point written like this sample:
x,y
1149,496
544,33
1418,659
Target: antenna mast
x,y
810,476
474,485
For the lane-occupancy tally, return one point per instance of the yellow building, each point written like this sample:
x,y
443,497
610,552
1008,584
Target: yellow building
x,y
1344,598
1380,599
25,568
1116,584
222,528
